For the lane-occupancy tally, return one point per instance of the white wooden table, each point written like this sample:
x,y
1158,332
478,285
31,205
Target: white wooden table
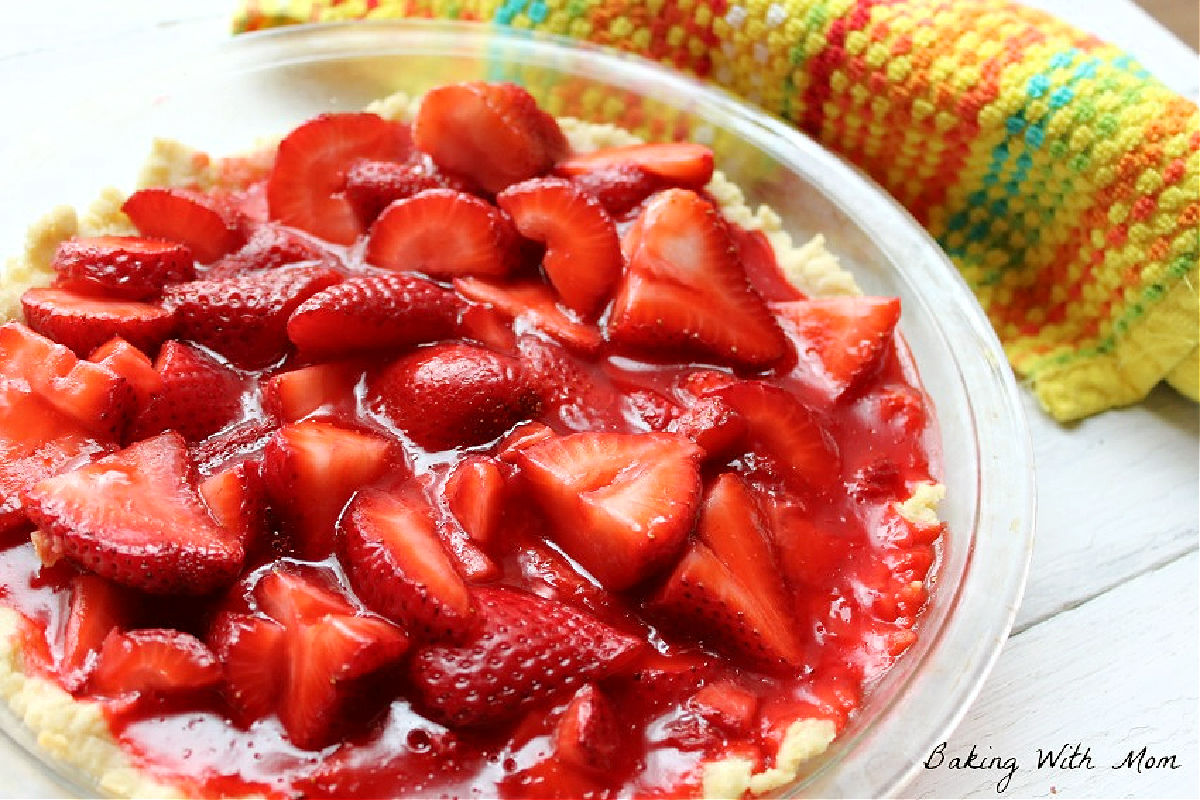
x,y
1105,650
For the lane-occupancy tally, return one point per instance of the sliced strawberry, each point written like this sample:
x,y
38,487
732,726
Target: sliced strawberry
x,y
245,318
526,650
620,188
726,590
657,680
646,409
271,246
782,428
808,555
253,653
293,395
311,469
98,607
198,397
582,399
374,312
134,517
488,327
549,574
493,133
371,186
293,599
84,323
532,305
475,493
844,338
474,564
410,234
453,395
122,267
683,164
131,364
524,435
583,254
241,442
399,567
685,288
305,186
713,424
237,500
91,394
622,504
726,704
154,661
190,218
587,735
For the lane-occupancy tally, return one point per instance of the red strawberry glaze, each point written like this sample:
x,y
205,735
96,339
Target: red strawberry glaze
x,y
853,569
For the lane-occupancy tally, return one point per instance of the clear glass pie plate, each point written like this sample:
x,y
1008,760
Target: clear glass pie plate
x,y
90,127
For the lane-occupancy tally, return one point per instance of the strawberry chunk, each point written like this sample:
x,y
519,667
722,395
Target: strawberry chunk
x,y
371,186
726,704
122,267
726,590
134,517
492,133
241,442
526,650
620,188
410,234
84,323
299,393
311,469
131,364
374,312
305,187
713,424
399,566
843,338
271,246
98,607
245,318
199,396
587,735
154,661
524,435
682,164
253,652
532,305
583,254
190,218
475,493
686,290
621,504
452,395
237,500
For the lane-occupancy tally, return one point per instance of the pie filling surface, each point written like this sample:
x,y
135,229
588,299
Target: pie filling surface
x,y
438,459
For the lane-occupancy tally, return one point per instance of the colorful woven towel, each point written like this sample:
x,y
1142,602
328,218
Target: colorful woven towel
x,y
1060,177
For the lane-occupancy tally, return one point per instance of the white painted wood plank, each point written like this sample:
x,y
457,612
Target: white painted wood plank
x,y
1115,674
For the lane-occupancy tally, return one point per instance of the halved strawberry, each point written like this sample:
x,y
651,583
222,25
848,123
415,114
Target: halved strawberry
x,y
253,653
843,338
451,395
621,504
305,186
153,661
399,566
190,218
685,288
587,735
532,305
475,494
91,394
526,650
374,312
271,246
135,517
583,254
199,396
293,395
726,590
122,267
493,133
245,318
131,364
683,164
311,469
237,500
98,607
410,234
713,424
84,323
726,704
371,186
620,188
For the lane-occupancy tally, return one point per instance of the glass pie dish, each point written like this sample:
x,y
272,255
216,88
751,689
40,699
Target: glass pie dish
x,y
222,98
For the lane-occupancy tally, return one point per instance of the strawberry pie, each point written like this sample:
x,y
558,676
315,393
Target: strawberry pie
x,y
449,449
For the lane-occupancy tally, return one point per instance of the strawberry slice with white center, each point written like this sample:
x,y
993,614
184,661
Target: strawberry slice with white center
x,y
532,305
135,517
131,364
305,189
411,234
322,388
399,566
475,493
682,164
621,504
190,218
98,607
374,312
122,267
726,590
199,396
843,338
587,735
84,323
492,133
685,288
245,318
153,661
526,650
311,468
583,253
